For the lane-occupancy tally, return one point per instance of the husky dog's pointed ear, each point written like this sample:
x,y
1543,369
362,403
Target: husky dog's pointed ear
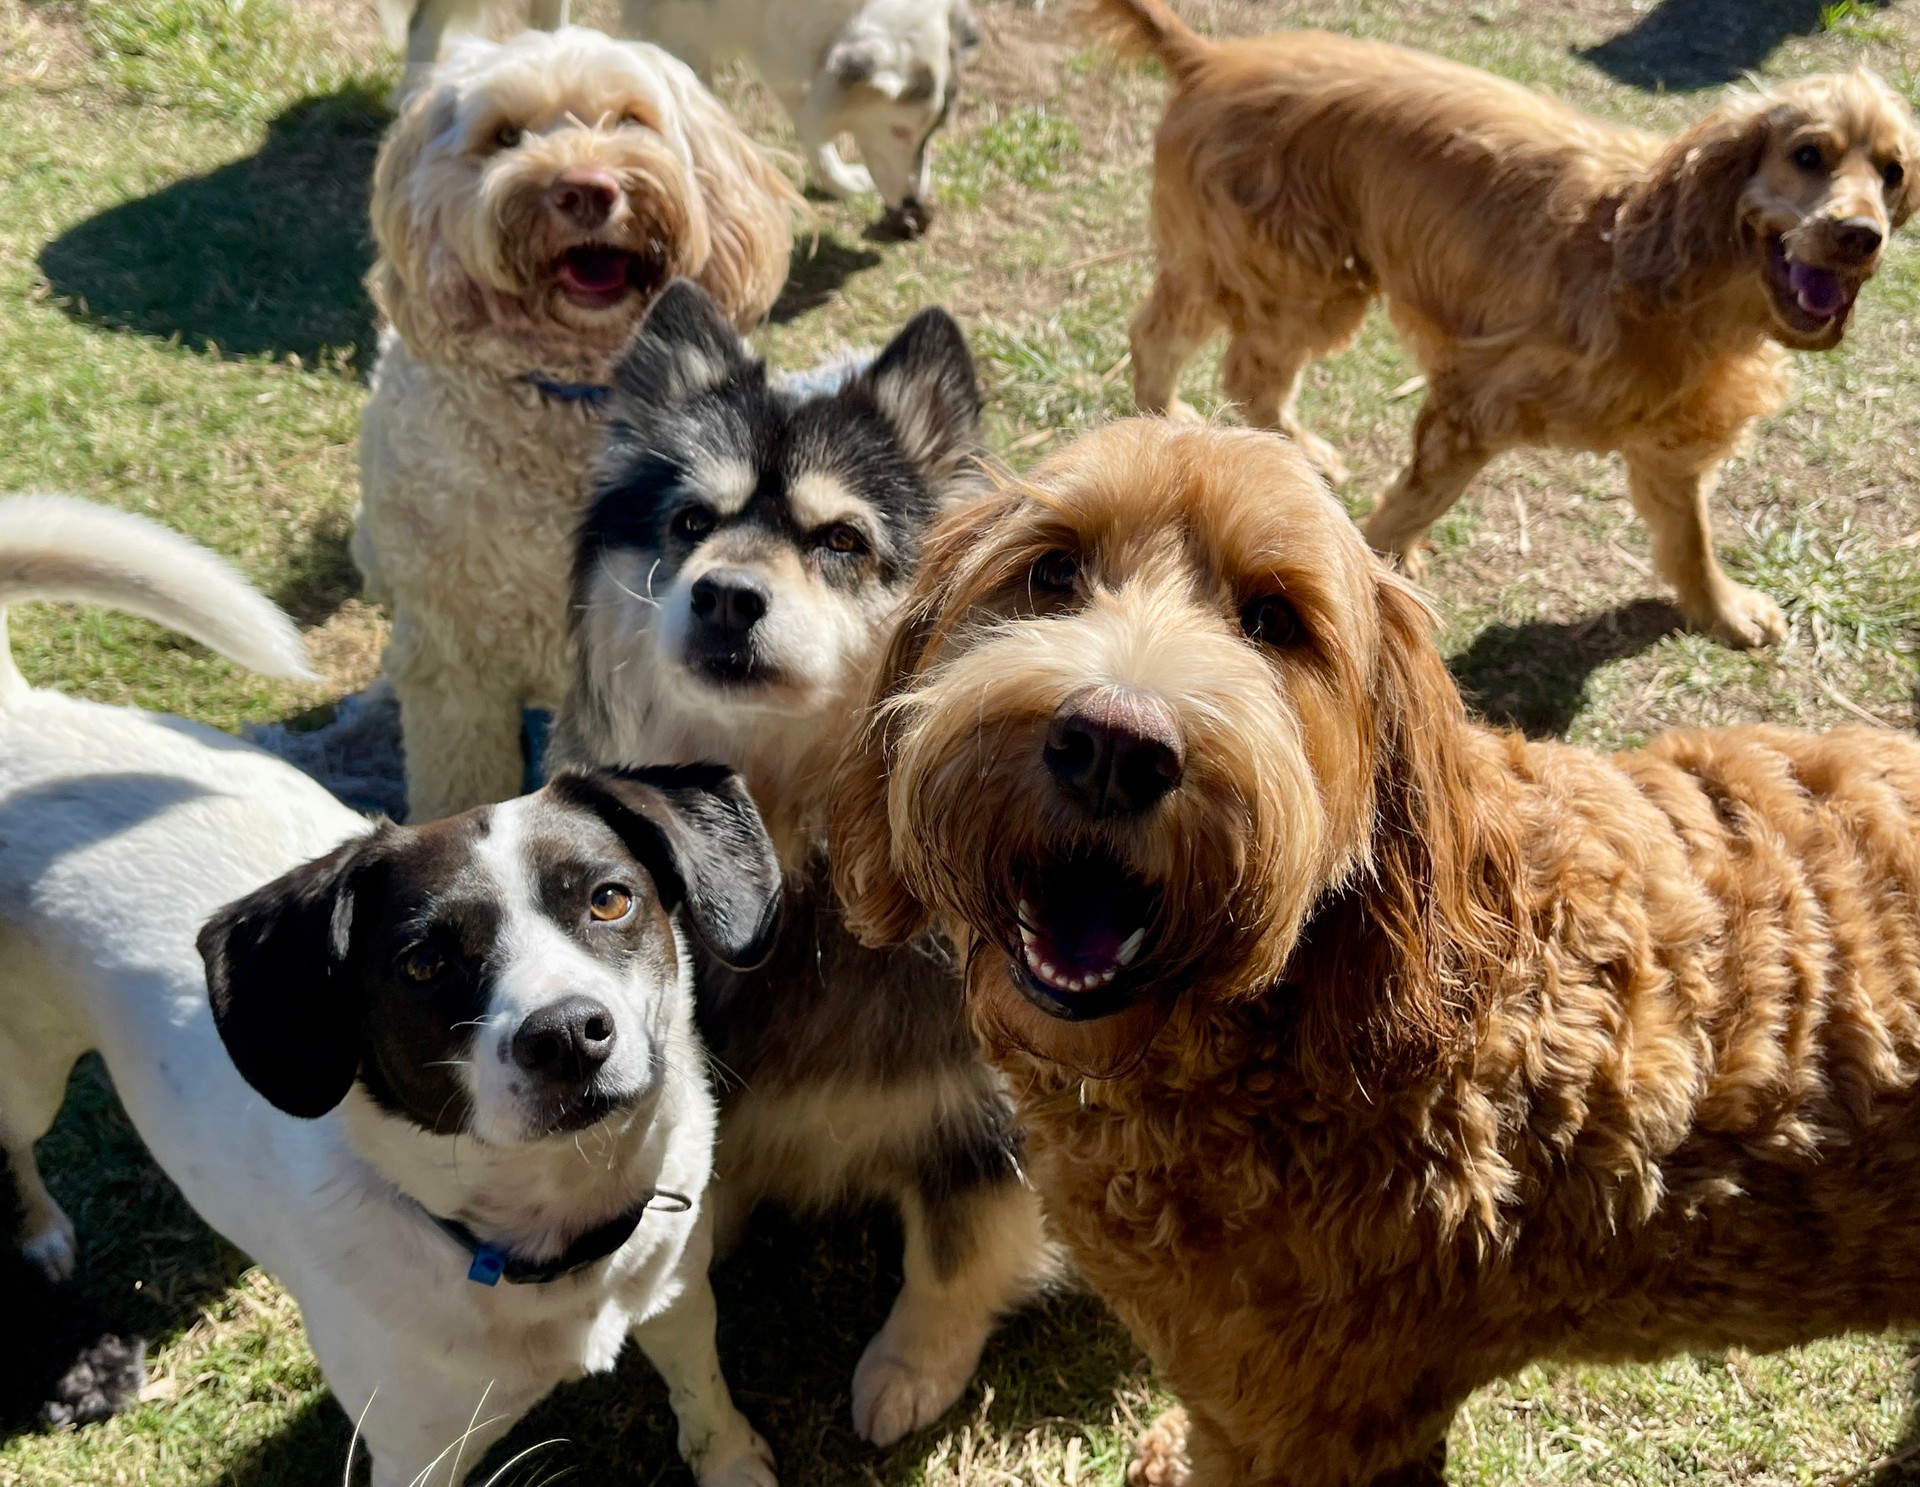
x,y
925,386
695,828
285,1000
685,347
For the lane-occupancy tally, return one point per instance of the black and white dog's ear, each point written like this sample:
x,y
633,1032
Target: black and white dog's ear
x,y
283,998
695,828
925,386
683,348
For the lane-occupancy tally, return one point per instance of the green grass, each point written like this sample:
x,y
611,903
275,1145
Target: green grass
x,y
182,332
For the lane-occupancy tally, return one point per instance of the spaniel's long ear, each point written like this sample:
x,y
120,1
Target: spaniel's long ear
x,y
1683,220
1903,202
749,208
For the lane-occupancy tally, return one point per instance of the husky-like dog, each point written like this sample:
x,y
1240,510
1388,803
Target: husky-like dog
x,y
746,547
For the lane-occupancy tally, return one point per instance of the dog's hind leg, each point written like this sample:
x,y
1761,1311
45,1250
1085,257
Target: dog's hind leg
x,y
1447,454
1167,330
1264,364
972,1253
34,1064
1673,502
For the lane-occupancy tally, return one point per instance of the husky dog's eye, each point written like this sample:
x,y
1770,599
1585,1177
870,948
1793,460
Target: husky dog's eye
x,y
422,963
693,521
1270,620
1893,173
1808,157
1054,572
841,537
508,135
609,902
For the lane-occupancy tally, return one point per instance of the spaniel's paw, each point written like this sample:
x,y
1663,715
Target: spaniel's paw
x,y
1160,1456
1744,618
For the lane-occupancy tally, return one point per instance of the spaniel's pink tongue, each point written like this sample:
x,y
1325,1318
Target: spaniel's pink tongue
x,y
1817,291
593,270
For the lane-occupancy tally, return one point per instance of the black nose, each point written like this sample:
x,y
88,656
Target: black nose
x,y
1114,752
1858,237
729,601
567,1042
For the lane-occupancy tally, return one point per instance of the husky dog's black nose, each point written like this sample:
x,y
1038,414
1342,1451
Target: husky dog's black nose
x,y
729,601
567,1042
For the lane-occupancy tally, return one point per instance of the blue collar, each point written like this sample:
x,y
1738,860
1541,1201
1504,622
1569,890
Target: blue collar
x,y
592,394
492,1263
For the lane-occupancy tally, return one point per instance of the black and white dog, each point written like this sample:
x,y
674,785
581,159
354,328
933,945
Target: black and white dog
x,y
444,1084
734,578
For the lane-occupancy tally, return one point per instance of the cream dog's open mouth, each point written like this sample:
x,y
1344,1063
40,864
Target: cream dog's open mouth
x,y
1083,923
599,275
1809,298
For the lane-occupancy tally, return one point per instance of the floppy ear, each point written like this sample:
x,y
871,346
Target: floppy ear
x,y
925,386
1683,219
286,1003
694,827
685,347
749,208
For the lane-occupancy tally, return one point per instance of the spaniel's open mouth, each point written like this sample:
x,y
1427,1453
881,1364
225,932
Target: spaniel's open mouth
x,y
596,276
1810,299
1083,922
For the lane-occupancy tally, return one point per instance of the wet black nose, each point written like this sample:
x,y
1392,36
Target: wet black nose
x,y
1858,237
1114,751
729,601
567,1042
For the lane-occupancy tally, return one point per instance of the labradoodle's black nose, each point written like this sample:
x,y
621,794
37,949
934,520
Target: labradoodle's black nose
x,y
1115,751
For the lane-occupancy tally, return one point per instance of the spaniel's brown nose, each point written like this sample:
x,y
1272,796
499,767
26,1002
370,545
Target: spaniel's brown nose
x,y
1115,751
1859,238
584,196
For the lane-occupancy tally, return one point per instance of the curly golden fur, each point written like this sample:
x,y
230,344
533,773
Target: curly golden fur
x,y
1560,280
529,203
1442,1050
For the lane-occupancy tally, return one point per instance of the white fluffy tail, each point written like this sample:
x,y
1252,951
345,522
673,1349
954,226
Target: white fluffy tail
x,y
56,547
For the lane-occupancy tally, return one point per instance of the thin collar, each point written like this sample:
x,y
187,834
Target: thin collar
x,y
591,394
493,1263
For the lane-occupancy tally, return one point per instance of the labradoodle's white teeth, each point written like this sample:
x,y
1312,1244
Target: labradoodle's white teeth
x,y
1130,947
1027,938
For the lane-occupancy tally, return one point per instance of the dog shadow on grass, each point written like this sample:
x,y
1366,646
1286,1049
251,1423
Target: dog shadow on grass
x,y
821,266
1533,676
1683,45
262,256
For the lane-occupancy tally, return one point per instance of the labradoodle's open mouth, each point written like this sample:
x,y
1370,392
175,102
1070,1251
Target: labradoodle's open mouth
x,y
1808,298
1083,921
596,275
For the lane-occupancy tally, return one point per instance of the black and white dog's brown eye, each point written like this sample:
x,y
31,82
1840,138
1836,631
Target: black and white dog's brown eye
x,y
508,135
693,521
1893,173
1808,157
841,537
422,963
1055,572
609,902
1270,620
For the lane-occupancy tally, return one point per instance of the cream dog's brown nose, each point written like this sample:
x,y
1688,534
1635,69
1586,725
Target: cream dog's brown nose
x,y
1859,238
584,196
1115,751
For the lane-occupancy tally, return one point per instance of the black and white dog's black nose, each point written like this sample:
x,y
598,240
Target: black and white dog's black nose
x,y
567,1042
730,600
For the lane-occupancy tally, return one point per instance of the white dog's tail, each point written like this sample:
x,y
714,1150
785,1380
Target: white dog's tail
x,y
56,547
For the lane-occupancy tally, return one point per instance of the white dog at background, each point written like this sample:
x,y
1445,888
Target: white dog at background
x,y
418,1063
528,204
883,71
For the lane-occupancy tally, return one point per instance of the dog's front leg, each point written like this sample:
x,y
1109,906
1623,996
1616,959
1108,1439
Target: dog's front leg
x,y
1447,454
1673,502
812,112
461,733
715,1439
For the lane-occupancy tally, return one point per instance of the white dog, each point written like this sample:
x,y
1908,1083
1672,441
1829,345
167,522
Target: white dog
x,y
452,1056
884,71
528,204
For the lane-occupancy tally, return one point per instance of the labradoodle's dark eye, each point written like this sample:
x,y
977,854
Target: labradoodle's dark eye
x,y
421,963
1055,572
1893,173
1270,620
508,135
841,537
693,521
1808,157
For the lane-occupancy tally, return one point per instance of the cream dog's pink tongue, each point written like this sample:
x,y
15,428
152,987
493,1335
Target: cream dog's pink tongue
x,y
1816,290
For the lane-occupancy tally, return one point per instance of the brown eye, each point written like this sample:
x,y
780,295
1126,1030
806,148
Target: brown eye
x,y
1055,572
693,521
422,963
1893,174
1808,157
633,121
609,902
508,135
1270,620
841,537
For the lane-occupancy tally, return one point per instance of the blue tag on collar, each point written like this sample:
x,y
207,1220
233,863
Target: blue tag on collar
x,y
489,1264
